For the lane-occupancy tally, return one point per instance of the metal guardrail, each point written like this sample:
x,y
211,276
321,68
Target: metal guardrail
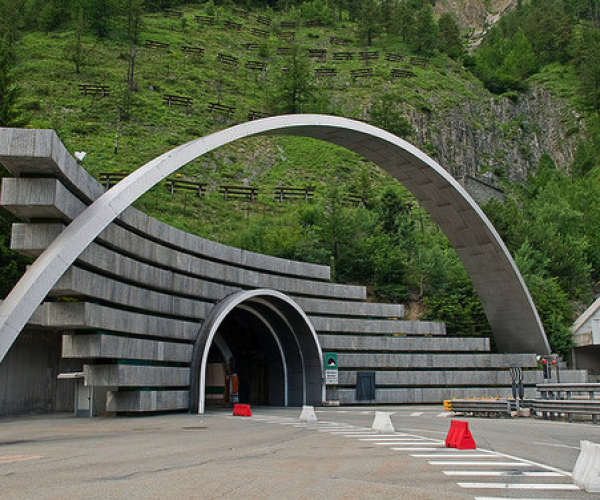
x,y
559,399
588,387
567,406
487,406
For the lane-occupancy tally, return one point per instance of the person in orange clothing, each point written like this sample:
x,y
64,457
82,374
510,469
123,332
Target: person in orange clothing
x,y
235,388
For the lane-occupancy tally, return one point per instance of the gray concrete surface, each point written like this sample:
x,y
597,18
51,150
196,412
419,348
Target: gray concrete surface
x,y
265,457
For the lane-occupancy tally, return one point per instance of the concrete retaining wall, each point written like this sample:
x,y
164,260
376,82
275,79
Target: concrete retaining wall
x,y
133,304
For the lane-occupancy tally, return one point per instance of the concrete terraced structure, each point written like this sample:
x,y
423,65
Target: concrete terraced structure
x,y
145,309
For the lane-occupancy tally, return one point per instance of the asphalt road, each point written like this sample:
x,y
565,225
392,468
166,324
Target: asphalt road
x,y
272,456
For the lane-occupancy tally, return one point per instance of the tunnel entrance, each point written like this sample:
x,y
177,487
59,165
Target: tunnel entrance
x,y
245,362
256,347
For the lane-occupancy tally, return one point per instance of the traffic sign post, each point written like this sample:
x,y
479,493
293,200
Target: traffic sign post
x,y
330,365
331,377
330,360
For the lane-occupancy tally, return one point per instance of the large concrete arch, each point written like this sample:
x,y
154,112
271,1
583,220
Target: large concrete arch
x,y
507,303
295,336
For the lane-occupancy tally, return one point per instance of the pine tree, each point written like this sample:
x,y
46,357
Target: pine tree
x,y
295,85
586,47
450,41
427,30
77,51
99,13
369,21
133,13
405,21
9,91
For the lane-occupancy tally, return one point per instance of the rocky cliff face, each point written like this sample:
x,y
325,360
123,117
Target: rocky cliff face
x,y
494,134
499,135
475,14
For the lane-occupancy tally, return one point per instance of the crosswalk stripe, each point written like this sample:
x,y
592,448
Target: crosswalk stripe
x,y
457,455
367,437
431,448
325,429
330,427
478,463
504,498
517,486
335,427
391,438
436,454
357,432
349,434
392,443
509,473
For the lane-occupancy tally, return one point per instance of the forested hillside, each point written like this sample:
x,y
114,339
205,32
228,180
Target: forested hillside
x,y
521,109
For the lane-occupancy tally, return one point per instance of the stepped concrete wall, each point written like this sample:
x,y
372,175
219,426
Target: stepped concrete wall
x,y
131,310
505,299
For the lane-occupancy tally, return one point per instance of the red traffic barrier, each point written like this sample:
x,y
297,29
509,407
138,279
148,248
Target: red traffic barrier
x,y
241,410
459,436
451,434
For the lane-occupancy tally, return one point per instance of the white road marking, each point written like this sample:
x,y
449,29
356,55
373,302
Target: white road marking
x,y
392,443
431,448
416,414
536,464
509,473
368,437
356,433
329,429
504,498
446,414
391,438
331,425
516,486
559,445
479,463
457,455
400,441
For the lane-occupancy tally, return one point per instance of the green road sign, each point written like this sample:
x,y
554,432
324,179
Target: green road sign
x,y
330,360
